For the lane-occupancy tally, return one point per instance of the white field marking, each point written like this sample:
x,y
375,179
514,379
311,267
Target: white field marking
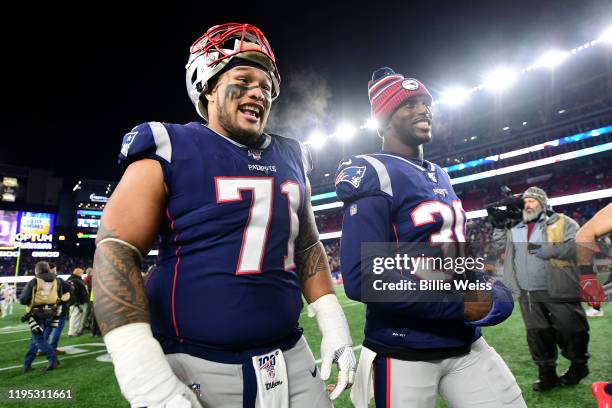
x,y
61,360
354,349
343,307
82,345
72,349
15,331
19,326
104,358
15,341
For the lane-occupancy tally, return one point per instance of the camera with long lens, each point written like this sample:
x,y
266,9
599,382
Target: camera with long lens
x,y
507,212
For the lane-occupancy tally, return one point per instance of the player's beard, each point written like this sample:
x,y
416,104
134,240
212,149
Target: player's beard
x,y
242,136
227,117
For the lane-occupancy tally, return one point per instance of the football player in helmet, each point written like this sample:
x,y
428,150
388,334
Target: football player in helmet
x,y
217,323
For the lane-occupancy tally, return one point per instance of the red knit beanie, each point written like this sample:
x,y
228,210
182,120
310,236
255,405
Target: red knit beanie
x,y
388,91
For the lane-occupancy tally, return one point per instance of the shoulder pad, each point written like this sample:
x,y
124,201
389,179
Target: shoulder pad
x,y
306,158
443,172
303,151
361,176
149,140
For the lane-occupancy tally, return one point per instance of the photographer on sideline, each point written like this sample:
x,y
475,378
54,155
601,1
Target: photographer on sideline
x,y
539,254
43,296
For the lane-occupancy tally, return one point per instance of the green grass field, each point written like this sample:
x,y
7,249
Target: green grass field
x,y
93,383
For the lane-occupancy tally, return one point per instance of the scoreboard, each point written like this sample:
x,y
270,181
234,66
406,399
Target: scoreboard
x,y
88,222
26,230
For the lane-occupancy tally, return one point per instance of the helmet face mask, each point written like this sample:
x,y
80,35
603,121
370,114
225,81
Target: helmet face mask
x,y
210,53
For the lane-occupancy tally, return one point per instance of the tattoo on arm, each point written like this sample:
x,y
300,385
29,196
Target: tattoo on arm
x,y
311,261
310,255
119,295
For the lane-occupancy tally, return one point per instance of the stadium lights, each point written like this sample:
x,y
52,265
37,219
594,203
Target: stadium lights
x,y
500,79
317,139
345,131
551,59
455,96
371,123
606,36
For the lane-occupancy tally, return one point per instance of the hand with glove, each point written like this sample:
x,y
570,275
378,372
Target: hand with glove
x,y
34,327
591,290
143,373
336,345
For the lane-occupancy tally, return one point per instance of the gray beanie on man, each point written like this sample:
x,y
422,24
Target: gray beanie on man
x,y
538,194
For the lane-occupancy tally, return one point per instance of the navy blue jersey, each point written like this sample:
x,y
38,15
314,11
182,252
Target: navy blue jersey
x,y
389,198
226,278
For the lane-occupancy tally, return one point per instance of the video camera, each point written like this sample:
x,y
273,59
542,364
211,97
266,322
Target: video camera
x,y
507,212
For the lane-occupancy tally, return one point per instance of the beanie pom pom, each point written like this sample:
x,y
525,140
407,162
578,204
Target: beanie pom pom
x,y
381,73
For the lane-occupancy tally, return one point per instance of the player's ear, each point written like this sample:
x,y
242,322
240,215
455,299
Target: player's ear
x,y
208,95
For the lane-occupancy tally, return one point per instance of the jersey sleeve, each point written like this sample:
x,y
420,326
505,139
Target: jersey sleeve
x,y
149,140
301,153
362,176
444,174
503,303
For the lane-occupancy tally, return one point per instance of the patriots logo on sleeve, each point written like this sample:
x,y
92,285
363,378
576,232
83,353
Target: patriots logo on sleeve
x,y
351,175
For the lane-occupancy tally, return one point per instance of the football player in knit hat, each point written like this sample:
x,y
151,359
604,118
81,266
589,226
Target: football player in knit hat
x,y
415,348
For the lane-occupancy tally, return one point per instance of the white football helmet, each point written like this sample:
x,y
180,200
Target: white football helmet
x,y
216,48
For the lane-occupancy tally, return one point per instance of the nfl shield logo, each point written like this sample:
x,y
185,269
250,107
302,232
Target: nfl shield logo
x,y
432,177
268,363
353,209
255,154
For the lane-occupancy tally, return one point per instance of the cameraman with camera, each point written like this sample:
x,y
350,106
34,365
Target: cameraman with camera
x,y
43,297
539,253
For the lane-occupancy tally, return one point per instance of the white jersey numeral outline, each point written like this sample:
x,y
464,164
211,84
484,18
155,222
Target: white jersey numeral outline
x,y
291,189
453,223
256,229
